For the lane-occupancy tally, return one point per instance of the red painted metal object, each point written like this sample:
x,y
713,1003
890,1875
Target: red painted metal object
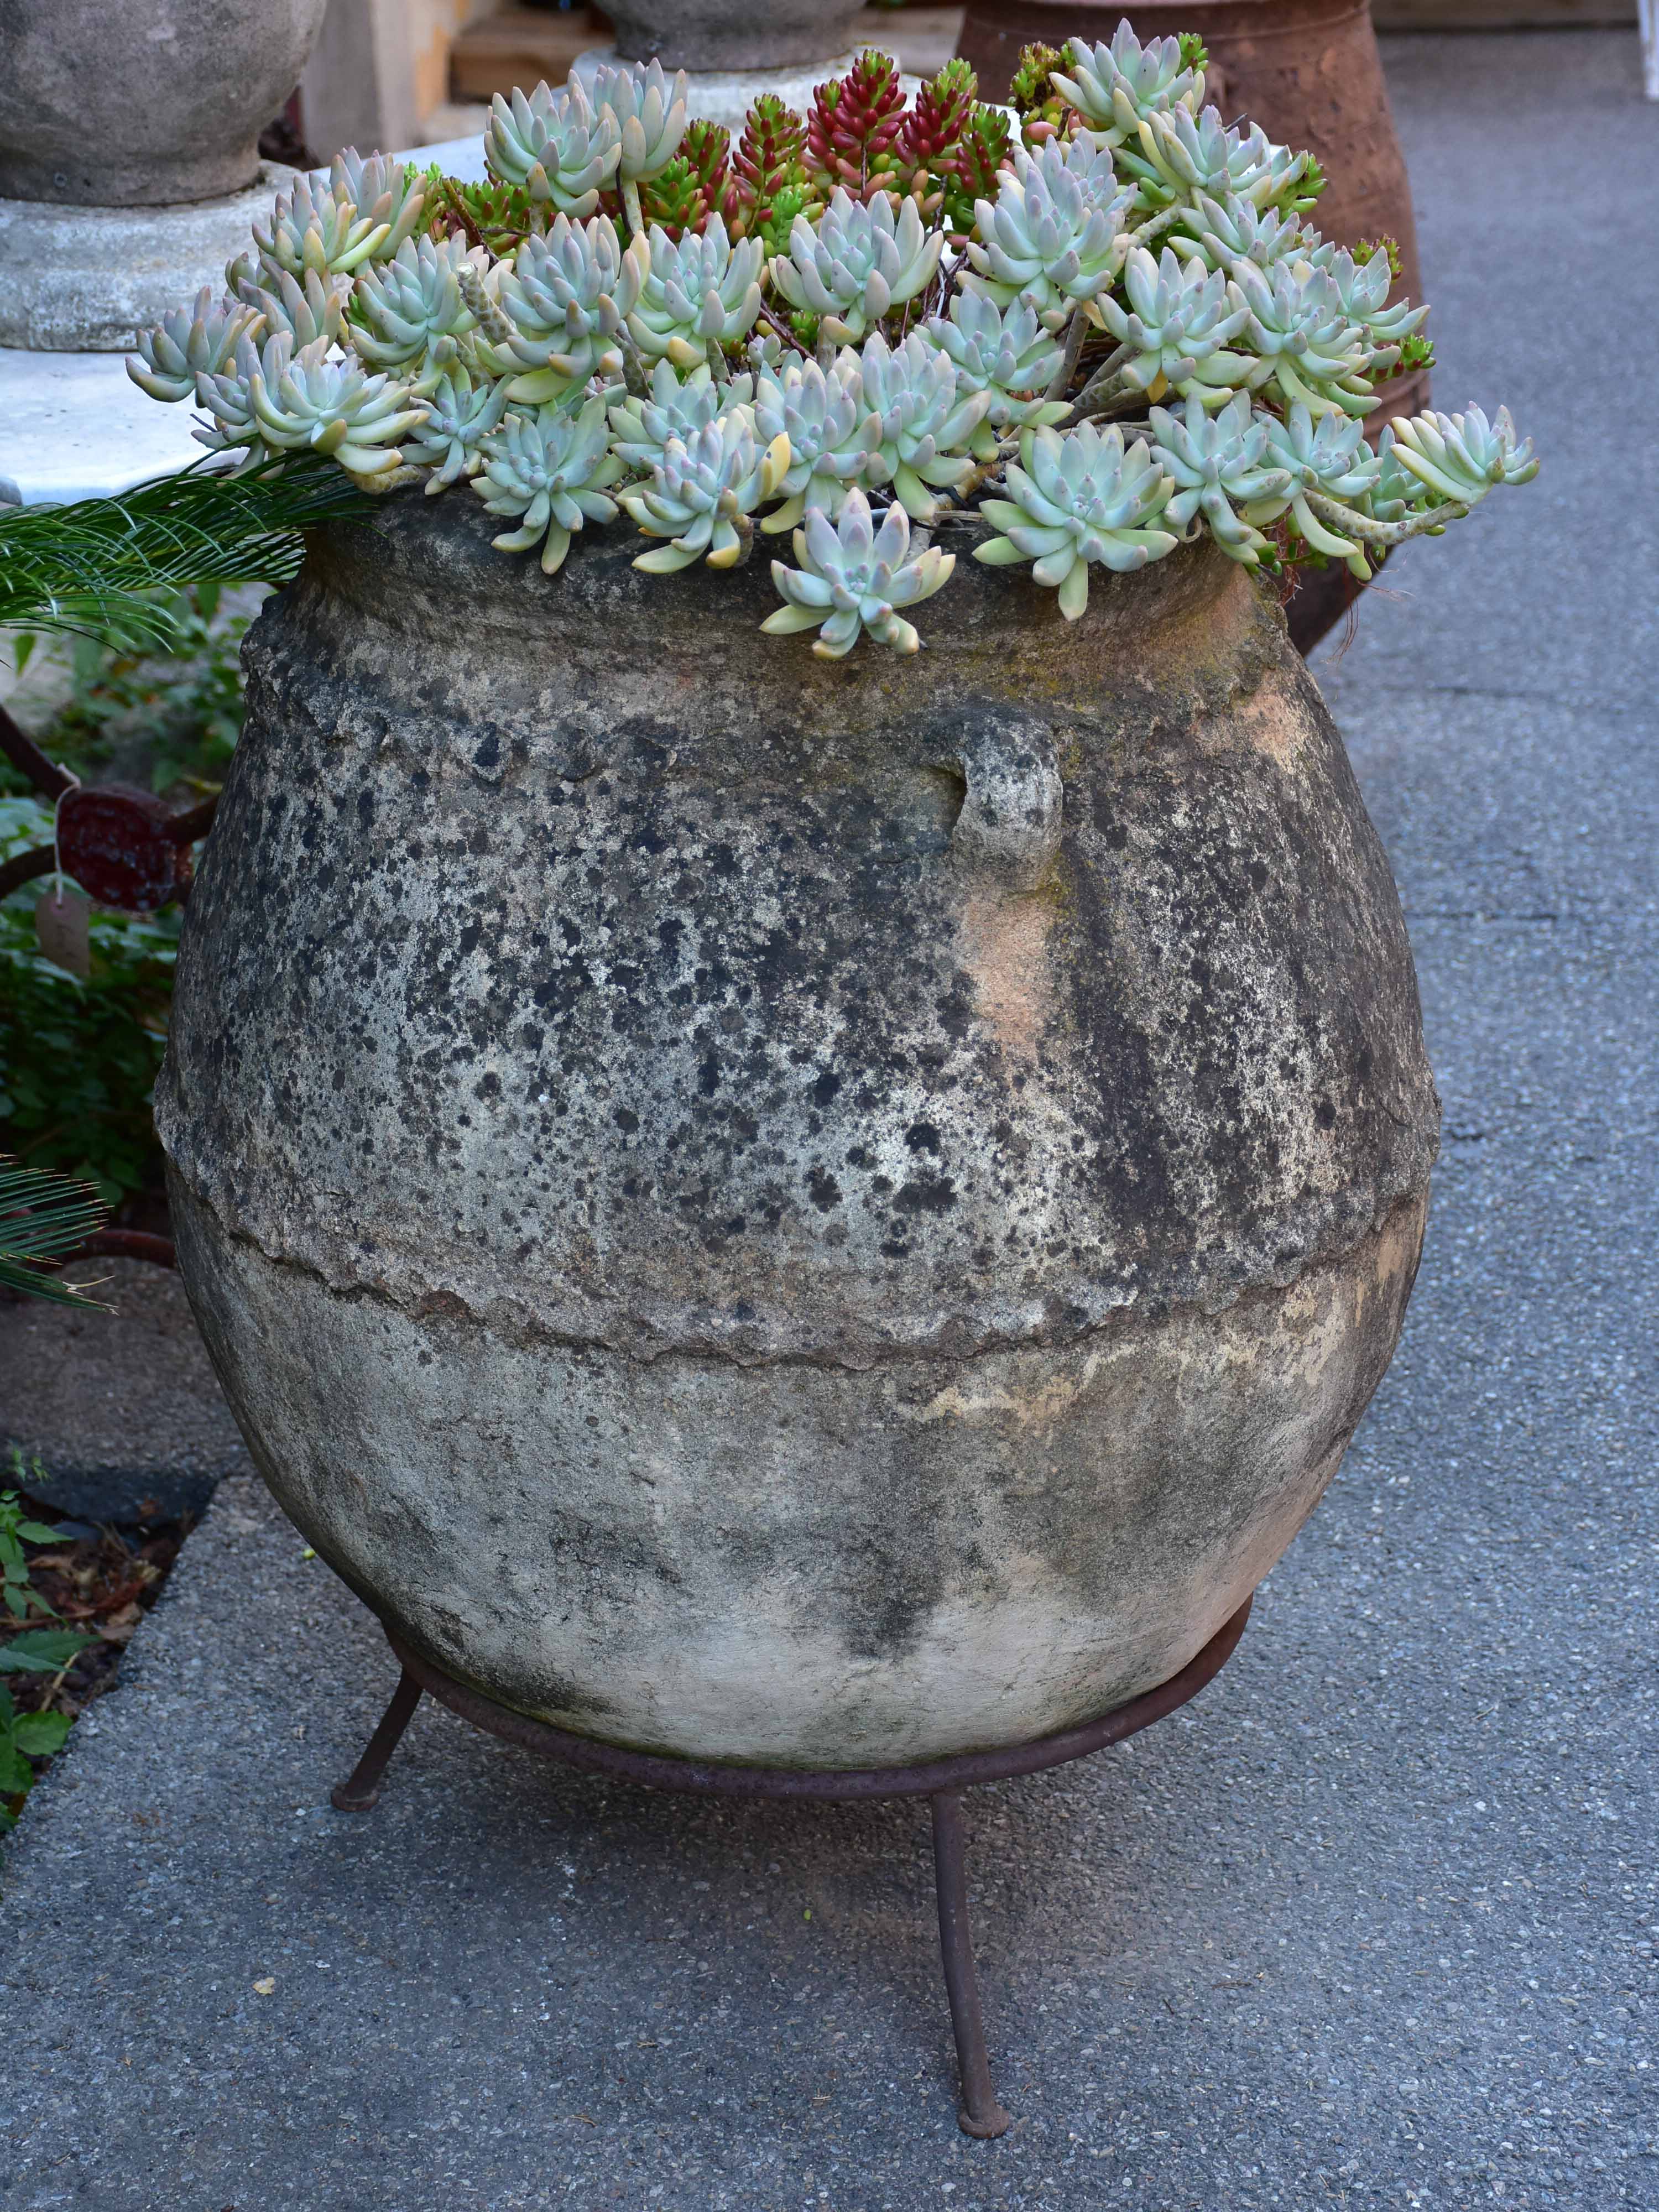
x,y
120,845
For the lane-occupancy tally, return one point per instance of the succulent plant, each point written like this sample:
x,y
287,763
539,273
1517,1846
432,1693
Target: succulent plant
x,y
858,262
1081,497
854,577
403,308
460,414
549,466
642,424
1177,326
703,492
227,395
983,150
1181,156
566,296
855,123
1362,289
312,228
309,310
1116,87
769,159
330,406
703,291
1461,457
384,191
572,322
928,146
1219,463
1006,354
1310,351
554,145
650,113
831,433
1222,232
1054,238
923,422
191,342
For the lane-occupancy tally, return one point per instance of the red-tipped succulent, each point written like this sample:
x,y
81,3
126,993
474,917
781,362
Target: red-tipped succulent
x,y
768,161
855,123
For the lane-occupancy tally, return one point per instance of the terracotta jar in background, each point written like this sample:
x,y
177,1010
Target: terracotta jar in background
x,y
1309,72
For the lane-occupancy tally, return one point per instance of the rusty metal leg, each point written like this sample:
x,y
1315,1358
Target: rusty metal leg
x,y
980,2114
363,1790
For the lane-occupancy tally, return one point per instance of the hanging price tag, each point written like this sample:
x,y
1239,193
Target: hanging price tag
x,y
61,916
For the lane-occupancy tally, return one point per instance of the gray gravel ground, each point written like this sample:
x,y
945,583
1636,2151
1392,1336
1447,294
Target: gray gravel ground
x,y
1373,1923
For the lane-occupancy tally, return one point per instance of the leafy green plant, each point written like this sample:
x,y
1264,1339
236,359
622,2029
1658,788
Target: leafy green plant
x,y
16,1530
42,1218
78,1061
24,1736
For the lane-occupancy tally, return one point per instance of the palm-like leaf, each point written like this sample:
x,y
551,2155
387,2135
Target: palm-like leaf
x,y
42,1217
105,567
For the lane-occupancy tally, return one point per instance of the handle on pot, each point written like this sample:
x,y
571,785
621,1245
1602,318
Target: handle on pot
x,y
1011,817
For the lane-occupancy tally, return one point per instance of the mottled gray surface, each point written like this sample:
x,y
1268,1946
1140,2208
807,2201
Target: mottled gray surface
x,y
1372,1926
732,35
825,1215
143,103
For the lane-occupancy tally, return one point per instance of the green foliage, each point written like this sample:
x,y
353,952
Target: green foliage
x,y
24,1736
78,1061
42,1218
17,1530
110,568
1195,54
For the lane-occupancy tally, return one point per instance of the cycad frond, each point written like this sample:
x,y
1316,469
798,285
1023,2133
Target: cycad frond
x,y
104,567
42,1217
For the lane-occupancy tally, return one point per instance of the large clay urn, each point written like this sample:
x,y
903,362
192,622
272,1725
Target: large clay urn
x,y
141,103
1309,72
822,1214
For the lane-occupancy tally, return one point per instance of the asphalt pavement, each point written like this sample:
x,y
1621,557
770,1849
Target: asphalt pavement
x,y
1373,1922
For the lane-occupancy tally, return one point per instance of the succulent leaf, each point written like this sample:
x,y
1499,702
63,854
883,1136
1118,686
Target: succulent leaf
x,y
858,262
1054,237
854,577
554,145
1082,497
703,491
549,466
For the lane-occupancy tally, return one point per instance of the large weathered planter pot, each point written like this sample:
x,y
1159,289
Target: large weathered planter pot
x,y
817,1214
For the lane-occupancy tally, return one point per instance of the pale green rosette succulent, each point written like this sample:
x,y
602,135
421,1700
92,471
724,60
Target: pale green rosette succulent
x,y
1220,232
1007,354
643,423
191,342
697,292
554,146
1182,157
1311,351
384,191
1081,497
307,311
1362,288
1326,458
332,406
831,433
550,467
1054,237
312,228
703,492
1115,89
227,395
566,296
402,310
1461,457
925,423
460,414
1177,326
650,113
858,262
1218,464
854,577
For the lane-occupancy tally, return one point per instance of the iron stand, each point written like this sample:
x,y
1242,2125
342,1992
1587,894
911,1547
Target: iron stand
x,y
942,1780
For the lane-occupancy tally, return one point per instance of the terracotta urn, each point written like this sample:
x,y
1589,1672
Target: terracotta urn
x,y
817,1214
